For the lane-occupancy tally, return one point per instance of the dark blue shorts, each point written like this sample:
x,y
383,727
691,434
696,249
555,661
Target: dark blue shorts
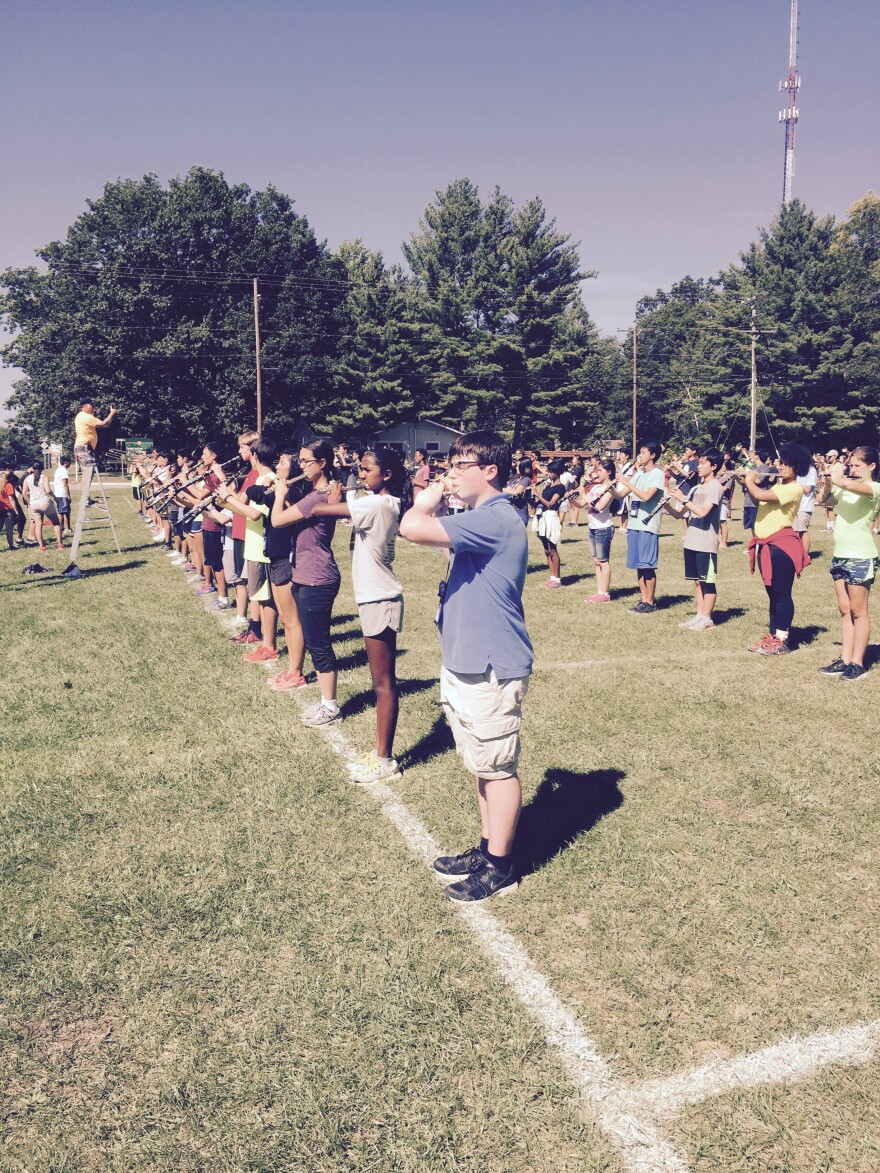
x,y
750,514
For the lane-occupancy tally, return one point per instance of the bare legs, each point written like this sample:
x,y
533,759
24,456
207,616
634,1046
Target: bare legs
x,y
381,655
855,621
500,801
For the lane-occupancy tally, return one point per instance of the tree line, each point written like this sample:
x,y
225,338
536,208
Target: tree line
x,y
148,303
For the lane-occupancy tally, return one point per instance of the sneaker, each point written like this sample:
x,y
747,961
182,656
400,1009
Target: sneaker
x,y
188,567
457,867
260,655
702,623
287,681
689,622
853,672
59,545
236,621
644,608
835,668
206,590
761,644
171,554
551,585
375,771
483,884
245,637
775,647
599,597
224,605
319,715
196,578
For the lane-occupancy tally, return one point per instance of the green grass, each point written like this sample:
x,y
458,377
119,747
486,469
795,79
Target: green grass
x,y
218,954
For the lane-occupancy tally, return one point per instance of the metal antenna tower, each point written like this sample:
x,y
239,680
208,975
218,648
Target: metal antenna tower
x,y
789,115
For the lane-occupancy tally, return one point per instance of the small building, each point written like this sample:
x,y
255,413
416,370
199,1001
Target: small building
x,y
408,435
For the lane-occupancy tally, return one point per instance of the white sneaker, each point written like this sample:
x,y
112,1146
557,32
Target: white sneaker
x,y
702,623
689,622
369,770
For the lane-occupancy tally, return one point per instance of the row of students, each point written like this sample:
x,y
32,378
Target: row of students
x,y
487,655
285,561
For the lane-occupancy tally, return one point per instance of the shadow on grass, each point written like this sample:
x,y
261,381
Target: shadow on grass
x,y
358,659
622,592
361,701
436,741
815,555
574,579
725,614
338,620
565,806
55,578
667,601
807,635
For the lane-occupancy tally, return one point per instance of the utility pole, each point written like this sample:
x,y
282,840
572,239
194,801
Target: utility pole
x,y
257,341
635,334
753,419
789,115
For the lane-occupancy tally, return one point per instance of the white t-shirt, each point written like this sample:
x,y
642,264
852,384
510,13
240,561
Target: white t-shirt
x,y
60,482
808,484
376,520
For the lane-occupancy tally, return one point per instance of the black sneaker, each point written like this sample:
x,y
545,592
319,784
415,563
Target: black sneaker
x,y
483,884
644,608
835,668
853,672
456,867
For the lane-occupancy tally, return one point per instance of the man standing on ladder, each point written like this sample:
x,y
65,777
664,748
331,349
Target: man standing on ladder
x,y
85,444
85,428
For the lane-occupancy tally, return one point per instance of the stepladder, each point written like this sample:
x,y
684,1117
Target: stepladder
x,y
101,514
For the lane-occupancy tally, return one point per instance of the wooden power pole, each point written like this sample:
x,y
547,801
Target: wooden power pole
x,y
257,342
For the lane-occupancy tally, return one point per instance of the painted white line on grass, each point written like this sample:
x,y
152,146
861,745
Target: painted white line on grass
x,y
785,1062
630,1129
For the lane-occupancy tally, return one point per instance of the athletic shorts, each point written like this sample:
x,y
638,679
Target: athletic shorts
x,y
725,511
854,571
750,516
701,566
802,520
600,543
280,572
642,550
63,504
240,578
378,617
258,581
485,715
213,547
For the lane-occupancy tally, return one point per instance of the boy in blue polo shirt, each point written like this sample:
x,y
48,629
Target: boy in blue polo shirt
x,y
487,654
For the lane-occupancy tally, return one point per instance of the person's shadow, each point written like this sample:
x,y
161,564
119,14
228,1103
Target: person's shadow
x,y
565,806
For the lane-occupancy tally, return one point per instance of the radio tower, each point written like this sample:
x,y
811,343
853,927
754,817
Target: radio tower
x,y
789,115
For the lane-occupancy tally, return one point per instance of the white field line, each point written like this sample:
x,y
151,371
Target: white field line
x,y
628,1114
788,1061
631,1131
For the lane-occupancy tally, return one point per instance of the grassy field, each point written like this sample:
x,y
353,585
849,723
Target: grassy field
x,y
217,954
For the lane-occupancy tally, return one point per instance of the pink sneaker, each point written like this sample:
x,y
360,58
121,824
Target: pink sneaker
x,y
261,655
599,598
551,585
287,681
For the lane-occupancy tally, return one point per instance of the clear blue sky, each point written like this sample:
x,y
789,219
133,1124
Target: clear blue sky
x,y
649,129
